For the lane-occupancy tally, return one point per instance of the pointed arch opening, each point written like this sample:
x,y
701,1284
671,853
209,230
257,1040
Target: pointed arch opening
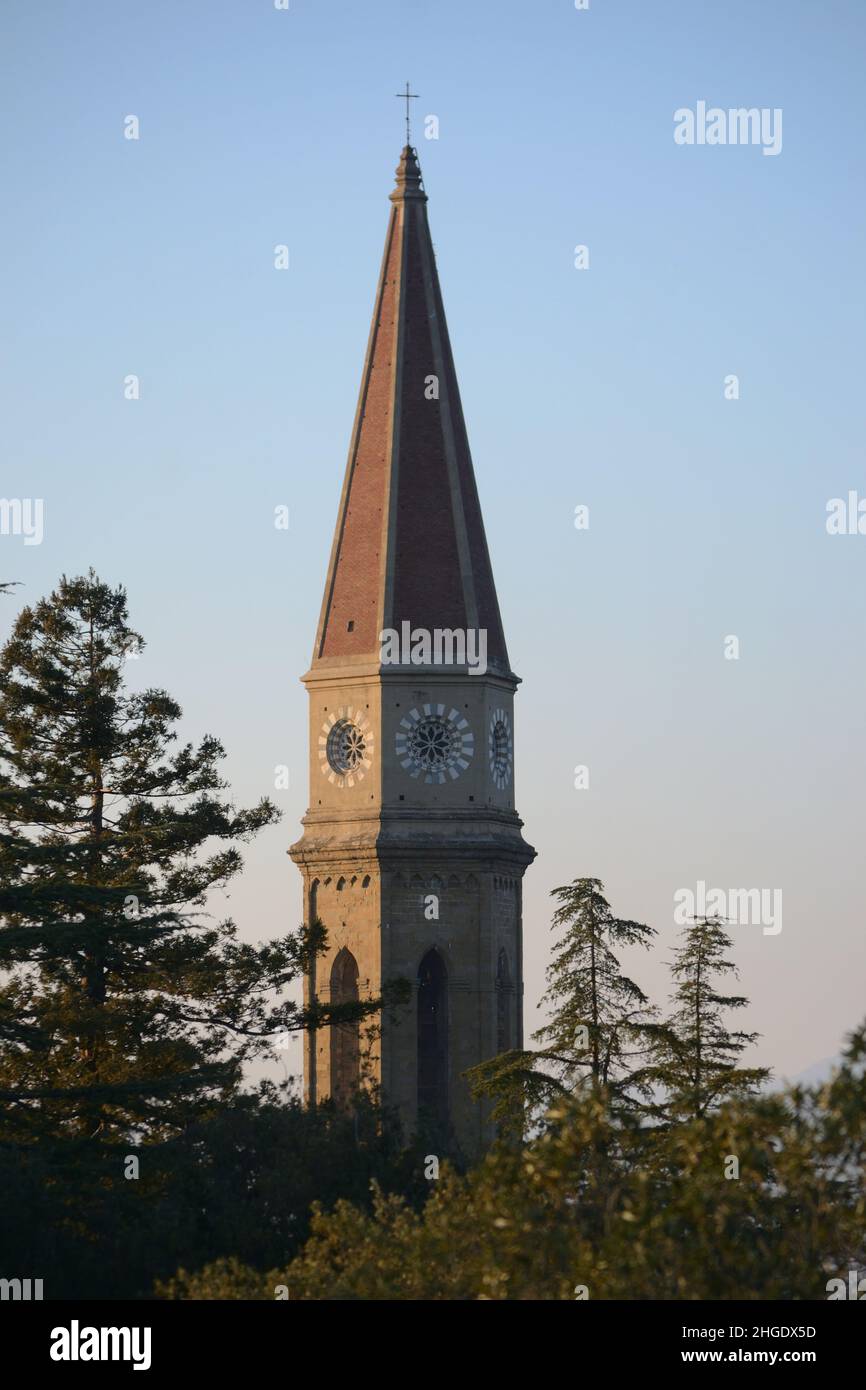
x,y
433,1039
345,1037
503,1003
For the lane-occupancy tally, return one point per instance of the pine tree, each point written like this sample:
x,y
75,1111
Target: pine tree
x,y
601,1022
696,1054
125,1007
663,1222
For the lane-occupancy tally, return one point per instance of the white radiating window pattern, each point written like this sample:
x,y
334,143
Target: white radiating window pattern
x,y
345,747
500,749
434,745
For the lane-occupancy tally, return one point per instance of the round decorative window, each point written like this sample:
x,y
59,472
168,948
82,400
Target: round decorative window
x,y
345,747
434,745
500,748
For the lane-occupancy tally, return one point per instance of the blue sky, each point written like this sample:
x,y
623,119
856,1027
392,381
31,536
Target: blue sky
x,y
603,387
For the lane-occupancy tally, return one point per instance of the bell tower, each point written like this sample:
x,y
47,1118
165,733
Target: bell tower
x,y
412,854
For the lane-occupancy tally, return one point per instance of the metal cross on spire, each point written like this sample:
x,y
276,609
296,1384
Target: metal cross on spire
x,y
407,96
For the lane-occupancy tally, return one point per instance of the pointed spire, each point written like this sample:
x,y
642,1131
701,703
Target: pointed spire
x,y
409,545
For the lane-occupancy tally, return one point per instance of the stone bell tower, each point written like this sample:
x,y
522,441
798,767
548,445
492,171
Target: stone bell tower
x,y
412,854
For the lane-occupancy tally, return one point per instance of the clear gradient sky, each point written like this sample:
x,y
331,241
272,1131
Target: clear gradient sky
x,y
603,387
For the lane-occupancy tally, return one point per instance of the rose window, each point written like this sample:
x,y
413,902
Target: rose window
x,y
433,744
345,747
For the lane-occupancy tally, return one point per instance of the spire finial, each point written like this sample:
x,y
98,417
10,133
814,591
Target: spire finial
x,y
409,185
407,96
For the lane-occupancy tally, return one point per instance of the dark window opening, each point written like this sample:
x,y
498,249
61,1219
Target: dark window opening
x,y
433,1039
503,1004
345,1037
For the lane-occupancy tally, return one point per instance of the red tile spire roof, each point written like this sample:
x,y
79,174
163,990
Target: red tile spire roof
x,y
409,544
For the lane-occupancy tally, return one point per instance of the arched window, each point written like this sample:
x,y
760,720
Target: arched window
x,y
503,1004
345,1037
433,1039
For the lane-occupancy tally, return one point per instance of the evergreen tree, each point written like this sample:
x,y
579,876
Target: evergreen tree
x,y
696,1054
125,1007
238,1182
600,1021
657,1218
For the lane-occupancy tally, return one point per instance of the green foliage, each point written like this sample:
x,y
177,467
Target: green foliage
x,y
126,1012
620,1211
600,1020
124,1007
119,1001
127,1015
226,1279
238,1182
696,1054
